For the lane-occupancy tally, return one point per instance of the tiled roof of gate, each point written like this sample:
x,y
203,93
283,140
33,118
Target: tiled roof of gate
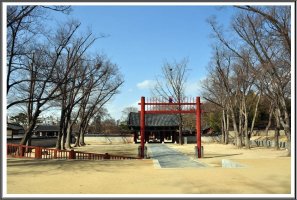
x,y
41,128
155,120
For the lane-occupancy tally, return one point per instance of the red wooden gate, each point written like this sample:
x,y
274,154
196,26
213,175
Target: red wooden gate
x,y
157,106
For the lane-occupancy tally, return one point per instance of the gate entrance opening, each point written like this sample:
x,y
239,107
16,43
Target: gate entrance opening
x,y
163,106
161,128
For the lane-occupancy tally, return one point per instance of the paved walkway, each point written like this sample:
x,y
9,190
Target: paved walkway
x,y
170,158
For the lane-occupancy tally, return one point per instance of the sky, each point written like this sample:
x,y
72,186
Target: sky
x,y
140,39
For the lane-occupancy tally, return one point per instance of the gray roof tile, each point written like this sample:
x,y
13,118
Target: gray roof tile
x,y
14,126
153,120
46,128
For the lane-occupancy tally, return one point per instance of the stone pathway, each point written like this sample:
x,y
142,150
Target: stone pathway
x,y
170,158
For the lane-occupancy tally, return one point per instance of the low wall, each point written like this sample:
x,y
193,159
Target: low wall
x,y
256,141
260,133
110,139
204,139
51,141
40,142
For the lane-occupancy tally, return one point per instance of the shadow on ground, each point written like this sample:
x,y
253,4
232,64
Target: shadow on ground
x,y
220,155
37,165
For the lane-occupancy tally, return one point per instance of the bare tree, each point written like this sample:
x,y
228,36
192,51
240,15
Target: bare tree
x,y
272,48
264,35
172,84
231,83
97,92
223,68
278,17
24,25
97,122
215,93
72,95
70,90
126,111
47,68
45,78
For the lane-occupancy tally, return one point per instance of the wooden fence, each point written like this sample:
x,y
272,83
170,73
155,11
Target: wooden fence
x,y
23,151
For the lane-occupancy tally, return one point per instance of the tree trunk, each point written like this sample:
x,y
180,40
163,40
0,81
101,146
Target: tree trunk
x,y
227,128
29,144
60,133
82,135
59,139
68,137
276,138
237,137
64,135
269,123
180,129
240,128
27,134
62,142
247,134
286,125
223,128
246,131
288,134
32,124
241,121
81,141
277,129
77,142
180,135
255,115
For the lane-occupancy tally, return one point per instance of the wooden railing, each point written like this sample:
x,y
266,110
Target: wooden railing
x,y
23,151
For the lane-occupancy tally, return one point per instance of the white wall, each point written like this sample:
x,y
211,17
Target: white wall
x,y
9,132
109,140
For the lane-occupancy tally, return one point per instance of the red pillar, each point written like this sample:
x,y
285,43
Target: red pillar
x,y
142,125
38,152
198,126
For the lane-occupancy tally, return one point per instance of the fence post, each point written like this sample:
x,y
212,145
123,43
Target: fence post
x,y
106,156
22,152
38,153
72,154
55,153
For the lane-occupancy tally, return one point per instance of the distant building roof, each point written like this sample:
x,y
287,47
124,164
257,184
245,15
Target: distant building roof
x,y
42,128
153,120
15,126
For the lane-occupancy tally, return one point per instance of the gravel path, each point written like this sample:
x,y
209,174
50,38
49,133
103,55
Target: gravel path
x,y
170,158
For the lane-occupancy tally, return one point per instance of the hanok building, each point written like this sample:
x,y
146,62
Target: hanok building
x,y
46,130
14,130
158,127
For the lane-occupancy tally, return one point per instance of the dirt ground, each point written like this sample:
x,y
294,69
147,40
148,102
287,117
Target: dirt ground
x,y
267,171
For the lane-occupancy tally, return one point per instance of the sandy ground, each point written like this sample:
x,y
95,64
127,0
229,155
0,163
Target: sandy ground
x,y
267,171
214,153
